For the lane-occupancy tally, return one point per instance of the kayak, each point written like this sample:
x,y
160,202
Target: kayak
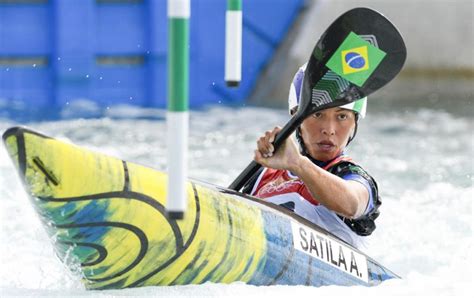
x,y
106,219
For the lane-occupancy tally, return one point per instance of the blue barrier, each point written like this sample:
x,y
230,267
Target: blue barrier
x,y
111,52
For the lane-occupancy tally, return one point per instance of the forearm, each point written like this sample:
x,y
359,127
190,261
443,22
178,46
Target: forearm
x,y
344,197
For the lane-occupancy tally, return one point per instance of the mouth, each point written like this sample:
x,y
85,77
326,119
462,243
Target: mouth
x,y
326,145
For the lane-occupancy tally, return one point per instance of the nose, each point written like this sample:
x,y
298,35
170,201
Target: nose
x,y
328,128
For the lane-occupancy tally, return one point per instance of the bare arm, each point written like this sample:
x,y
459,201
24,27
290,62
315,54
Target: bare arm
x,y
347,198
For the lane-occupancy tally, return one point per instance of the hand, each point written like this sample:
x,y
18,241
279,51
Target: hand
x,y
287,156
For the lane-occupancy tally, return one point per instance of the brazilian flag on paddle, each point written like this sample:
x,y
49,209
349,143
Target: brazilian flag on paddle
x,y
355,59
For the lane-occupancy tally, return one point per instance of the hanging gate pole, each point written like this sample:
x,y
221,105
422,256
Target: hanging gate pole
x,y
233,43
177,118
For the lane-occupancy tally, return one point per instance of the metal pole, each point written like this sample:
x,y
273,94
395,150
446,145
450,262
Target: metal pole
x,y
178,116
233,43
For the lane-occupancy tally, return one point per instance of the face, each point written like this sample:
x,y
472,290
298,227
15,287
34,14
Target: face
x,y
326,133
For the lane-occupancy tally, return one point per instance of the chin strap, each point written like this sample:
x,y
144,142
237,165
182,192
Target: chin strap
x,y
355,129
301,142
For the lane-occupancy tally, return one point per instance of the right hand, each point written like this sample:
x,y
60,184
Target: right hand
x,y
285,158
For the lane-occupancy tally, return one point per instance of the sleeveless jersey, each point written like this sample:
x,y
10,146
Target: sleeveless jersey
x,y
288,190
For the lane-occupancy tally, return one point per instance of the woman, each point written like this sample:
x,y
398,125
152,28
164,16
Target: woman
x,y
318,181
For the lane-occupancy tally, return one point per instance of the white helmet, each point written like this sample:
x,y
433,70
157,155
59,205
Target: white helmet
x,y
359,106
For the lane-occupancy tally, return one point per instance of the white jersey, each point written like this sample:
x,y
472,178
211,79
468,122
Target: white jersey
x,y
281,187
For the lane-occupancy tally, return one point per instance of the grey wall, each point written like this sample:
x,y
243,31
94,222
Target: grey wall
x,y
439,39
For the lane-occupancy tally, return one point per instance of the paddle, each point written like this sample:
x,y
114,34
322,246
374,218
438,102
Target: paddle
x,y
359,53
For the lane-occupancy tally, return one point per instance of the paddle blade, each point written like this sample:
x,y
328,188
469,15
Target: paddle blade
x,y
358,54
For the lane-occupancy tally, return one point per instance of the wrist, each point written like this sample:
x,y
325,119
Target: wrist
x,y
300,164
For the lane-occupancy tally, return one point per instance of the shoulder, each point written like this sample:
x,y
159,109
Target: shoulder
x,y
349,170
347,167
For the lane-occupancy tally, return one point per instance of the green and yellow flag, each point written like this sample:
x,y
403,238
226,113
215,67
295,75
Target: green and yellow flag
x,y
355,59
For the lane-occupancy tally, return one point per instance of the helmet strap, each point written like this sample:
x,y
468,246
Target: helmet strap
x,y
300,141
355,128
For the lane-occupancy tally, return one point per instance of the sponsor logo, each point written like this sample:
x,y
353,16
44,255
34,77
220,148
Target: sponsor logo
x,y
334,253
356,59
279,187
320,97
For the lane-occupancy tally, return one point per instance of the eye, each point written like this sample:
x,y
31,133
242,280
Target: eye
x,y
342,116
317,115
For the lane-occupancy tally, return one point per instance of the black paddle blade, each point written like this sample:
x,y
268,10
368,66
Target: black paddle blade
x,y
358,54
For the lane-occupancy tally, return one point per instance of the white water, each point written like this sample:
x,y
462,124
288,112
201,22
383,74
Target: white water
x,y
422,160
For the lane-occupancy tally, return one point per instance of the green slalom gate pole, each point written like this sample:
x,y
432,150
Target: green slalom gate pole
x,y
177,118
233,43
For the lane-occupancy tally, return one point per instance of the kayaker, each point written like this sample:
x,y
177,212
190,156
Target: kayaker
x,y
319,181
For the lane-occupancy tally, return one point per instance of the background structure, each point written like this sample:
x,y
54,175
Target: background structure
x,y
439,38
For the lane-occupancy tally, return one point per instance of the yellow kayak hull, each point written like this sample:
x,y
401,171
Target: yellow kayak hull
x,y
107,220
